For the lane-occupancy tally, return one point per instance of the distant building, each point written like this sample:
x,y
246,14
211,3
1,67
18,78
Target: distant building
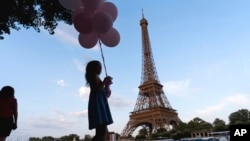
x,y
112,136
200,133
208,136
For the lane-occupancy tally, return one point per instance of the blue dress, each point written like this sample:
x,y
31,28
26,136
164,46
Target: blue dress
x,y
98,109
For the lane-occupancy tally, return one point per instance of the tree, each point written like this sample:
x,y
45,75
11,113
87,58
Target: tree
x,y
198,124
47,138
161,133
180,131
142,134
177,135
143,131
241,116
31,13
34,139
87,138
219,125
70,137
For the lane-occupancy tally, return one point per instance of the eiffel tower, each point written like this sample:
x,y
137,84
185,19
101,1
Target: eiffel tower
x,y
152,109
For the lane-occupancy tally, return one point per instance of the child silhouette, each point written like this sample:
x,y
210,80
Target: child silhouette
x,y
98,108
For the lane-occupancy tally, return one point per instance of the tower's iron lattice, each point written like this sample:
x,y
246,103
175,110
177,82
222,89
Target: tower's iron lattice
x,y
152,108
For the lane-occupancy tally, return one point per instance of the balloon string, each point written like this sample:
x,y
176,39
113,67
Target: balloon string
x,y
103,58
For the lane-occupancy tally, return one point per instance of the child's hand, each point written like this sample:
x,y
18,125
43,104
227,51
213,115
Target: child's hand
x,y
107,80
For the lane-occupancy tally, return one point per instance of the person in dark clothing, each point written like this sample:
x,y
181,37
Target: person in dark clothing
x,y
8,112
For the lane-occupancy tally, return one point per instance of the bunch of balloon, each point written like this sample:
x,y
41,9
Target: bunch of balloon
x,y
93,19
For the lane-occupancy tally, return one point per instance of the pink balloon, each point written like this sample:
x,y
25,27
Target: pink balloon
x,y
110,8
76,12
91,4
83,22
81,10
111,38
88,40
102,22
71,4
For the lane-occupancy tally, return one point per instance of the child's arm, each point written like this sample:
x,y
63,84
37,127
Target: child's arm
x,y
98,84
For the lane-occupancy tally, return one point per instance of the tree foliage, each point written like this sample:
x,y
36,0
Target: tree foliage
x,y
31,13
241,116
199,124
87,138
142,134
70,137
181,130
47,138
64,138
161,133
219,125
34,139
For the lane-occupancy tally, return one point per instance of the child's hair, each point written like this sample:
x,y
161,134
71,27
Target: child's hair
x,y
92,71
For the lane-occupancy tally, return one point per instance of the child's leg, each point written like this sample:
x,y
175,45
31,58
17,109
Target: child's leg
x,y
105,133
102,132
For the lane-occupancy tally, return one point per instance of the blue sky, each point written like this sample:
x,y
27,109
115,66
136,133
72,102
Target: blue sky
x,y
200,48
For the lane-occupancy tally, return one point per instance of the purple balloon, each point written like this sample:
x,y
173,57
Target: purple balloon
x,y
88,40
91,4
111,38
76,12
83,23
110,8
102,22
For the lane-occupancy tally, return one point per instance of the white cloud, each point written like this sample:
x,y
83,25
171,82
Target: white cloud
x,y
195,90
48,122
117,101
70,116
67,33
58,119
211,109
61,83
181,87
56,124
65,36
22,133
61,122
79,114
226,104
84,92
237,99
79,65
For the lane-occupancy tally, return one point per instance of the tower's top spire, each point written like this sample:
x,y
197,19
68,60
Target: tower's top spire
x,y
143,20
142,13
149,73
